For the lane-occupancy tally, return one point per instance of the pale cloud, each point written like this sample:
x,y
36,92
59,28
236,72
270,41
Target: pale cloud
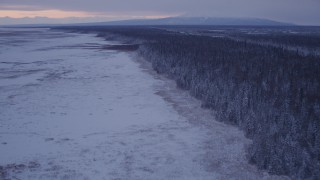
x,y
21,7
44,13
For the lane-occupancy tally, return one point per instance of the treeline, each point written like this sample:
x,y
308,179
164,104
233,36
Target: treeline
x,y
271,93
310,42
304,40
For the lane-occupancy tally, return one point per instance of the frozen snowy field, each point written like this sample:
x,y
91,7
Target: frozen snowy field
x,y
69,110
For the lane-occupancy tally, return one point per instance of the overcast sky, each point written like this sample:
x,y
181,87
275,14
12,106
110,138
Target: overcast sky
x,y
304,12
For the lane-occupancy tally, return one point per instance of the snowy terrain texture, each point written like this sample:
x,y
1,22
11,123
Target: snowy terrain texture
x,y
71,110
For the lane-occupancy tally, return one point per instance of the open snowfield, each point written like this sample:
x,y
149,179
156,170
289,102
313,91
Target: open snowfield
x,y
70,110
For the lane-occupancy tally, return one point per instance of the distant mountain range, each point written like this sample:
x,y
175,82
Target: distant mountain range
x,y
198,21
163,21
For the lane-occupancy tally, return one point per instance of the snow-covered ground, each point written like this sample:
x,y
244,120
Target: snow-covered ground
x,y
69,110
